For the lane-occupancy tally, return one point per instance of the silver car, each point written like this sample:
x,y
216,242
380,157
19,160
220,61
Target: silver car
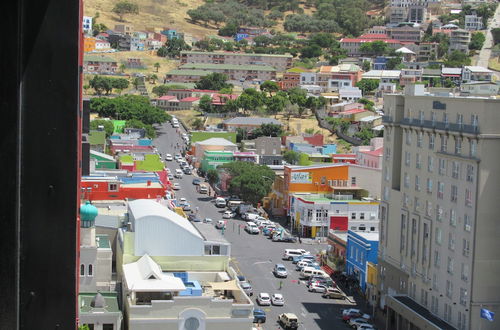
x,y
247,288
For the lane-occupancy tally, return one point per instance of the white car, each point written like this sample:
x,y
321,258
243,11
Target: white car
x,y
207,220
176,186
177,156
220,224
228,215
357,321
365,326
350,310
263,299
252,228
182,201
277,299
316,287
169,157
170,176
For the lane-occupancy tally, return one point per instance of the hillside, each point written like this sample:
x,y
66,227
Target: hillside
x,y
152,13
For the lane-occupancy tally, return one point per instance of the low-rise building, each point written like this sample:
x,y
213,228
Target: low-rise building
x,y
352,45
332,78
279,62
427,51
479,88
212,144
405,33
410,76
87,24
185,76
473,22
99,310
99,64
269,150
362,248
235,71
127,29
476,73
248,123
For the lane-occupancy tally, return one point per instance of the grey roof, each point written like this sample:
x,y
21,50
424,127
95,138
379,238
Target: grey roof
x,y
98,301
217,142
251,121
209,233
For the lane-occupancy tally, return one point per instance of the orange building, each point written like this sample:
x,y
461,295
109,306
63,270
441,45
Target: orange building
x,y
313,179
88,44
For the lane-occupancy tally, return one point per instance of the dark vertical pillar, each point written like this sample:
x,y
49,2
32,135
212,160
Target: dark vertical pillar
x,y
39,95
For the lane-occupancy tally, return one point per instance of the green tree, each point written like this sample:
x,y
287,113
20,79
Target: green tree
x,y
273,130
457,59
107,124
229,30
367,85
304,159
311,51
291,157
205,104
174,47
477,41
496,35
212,176
250,181
214,81
153,78
161,90
157,66
119,83
134,123
365,134
269,87
197,124
100,84
375,48
394,62
366,66
124,7
275,104
250,100
122,68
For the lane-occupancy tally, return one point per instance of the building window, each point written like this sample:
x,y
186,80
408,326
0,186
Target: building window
x,y
449,288
466,247
420,136
458,145
432,139
418,161
454,193
451,241
435,282
467,223
461,321
439,213
361,216
428,208
405,200
417,204
407,158
406,180
403,232
429,186
430,164
463,296
439,236
442,166
473,148
112,187
82,270
440,192
353,215
444,143
465,272
474,120
91,270
437,259
453,217
353,181
417,183
455,172
470,173
468,197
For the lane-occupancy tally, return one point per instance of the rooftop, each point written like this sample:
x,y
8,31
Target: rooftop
x,y
379,152
325,199
423,312
211,66
97,137
98,58
188,72
369,236
379,74
110,302
234,54
478,69
256,121
216,141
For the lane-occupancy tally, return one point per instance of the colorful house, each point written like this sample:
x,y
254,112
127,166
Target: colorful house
x,y
97,140
101,160
212,144
362,248
212,159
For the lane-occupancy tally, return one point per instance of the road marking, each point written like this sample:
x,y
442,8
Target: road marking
x,y
262,262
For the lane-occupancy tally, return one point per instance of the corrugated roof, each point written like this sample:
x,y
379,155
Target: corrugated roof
x,y
216,141
188,73
379,152
211,66
251,121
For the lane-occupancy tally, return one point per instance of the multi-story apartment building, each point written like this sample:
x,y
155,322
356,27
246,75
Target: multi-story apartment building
x,y
279,62
235,71
438,260
99,64
405,33
459,40
473,22
427,51
352,45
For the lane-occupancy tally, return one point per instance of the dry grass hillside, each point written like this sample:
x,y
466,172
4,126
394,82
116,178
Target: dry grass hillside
x,y
152,14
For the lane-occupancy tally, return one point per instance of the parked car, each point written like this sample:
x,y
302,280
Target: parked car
x,y
220,224
290,253
308,263
263,299
333,293
315,287
170,176
365,326
207,220
252,228
303,257
288,320
327,281
307,272
279,270
353,313
250,216
196,181
202,189
178,173
354,322
186,207
277,299
247,287
176,186
194,218
177,157
169,157
259,316
182,201
228,215
220,202
187,170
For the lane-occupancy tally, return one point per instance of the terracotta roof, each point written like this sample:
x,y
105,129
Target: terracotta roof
x,y
379,152
353,111
190,99
389,41
167,97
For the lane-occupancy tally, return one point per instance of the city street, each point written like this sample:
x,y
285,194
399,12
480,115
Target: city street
x,y
254,256
485,53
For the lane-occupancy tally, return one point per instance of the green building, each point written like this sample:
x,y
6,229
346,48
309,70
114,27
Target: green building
x,y
151,163
212,159
119,125
203,135
97,140
102,161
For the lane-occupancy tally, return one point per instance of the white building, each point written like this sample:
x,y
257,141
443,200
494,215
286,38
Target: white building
x,y
307,78
472,22
177,276
87,24
476,73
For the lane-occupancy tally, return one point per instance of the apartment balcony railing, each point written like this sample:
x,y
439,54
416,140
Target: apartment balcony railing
x,y
455,127
387,119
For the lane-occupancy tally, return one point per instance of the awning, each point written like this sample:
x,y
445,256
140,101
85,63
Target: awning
x,y
221,286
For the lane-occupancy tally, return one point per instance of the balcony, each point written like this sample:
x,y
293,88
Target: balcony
x,y
460,128
387,119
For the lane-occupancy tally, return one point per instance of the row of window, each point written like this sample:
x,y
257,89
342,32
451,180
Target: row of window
x,y
90,270
443,143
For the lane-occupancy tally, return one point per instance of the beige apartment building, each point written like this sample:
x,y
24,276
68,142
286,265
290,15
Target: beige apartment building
x,y
439,229
459,40
279,62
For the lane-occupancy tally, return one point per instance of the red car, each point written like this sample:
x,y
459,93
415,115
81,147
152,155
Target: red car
x,y
354,315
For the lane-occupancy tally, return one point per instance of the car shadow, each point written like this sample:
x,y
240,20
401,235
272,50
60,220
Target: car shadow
x,y
204,199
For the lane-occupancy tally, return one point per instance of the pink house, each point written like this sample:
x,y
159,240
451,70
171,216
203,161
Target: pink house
x,y
372,158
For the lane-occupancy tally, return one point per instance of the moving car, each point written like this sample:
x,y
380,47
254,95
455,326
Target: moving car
x,y
252,228
186,207
263,299
220,202
288,321
202,189
176,186
170,176
280,271
333,293
177,157
259,316
182,201
353,313
220,224
178,173
247,288
187,170
365,326
277,299
228,215
169,157
196,181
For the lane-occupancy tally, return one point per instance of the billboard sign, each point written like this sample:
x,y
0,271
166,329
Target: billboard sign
x,y
301,177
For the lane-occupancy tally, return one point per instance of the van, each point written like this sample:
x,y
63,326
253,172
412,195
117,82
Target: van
x,y
202,189
310,271
250,216
220,202
178,173
290,253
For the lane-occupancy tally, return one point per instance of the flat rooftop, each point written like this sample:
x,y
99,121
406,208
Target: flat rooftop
x,y
111,299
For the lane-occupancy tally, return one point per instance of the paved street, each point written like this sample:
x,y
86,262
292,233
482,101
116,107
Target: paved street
x,y
254,256
485,53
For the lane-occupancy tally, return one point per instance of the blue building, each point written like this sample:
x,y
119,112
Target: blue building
x,y
240,36
380,63
361,248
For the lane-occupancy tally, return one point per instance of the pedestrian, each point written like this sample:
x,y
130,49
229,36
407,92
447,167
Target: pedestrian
x,y
281,284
